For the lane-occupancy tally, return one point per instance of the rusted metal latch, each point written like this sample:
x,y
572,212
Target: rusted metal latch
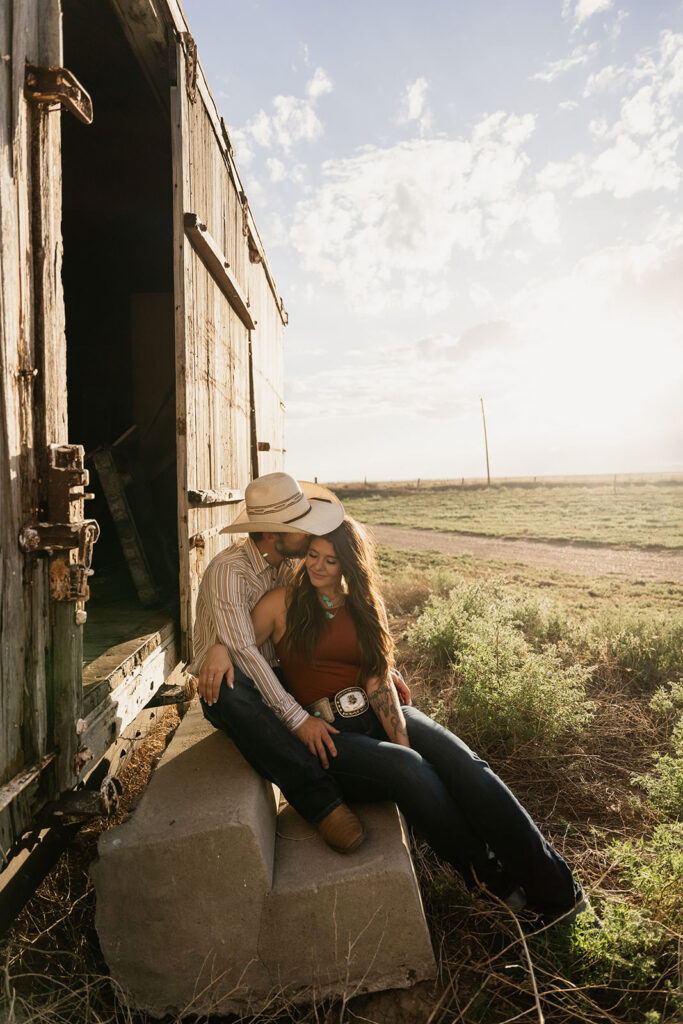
x,y
57,85
69,539
83,804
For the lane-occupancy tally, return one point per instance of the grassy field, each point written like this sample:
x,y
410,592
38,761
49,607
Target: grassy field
x,y
643,515
573,689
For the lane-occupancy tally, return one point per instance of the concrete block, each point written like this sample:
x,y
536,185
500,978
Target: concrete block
x,y
202,908
180,885
338,925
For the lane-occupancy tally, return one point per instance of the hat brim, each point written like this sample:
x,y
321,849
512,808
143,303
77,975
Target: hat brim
x,y
312,490
324,515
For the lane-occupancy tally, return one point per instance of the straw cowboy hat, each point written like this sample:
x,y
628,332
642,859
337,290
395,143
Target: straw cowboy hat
x,y
277,503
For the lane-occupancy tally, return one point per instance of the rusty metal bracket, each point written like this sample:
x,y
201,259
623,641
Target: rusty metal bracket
x,y
226,138
83,804
69,539
68,581
57,85
245,214
190,48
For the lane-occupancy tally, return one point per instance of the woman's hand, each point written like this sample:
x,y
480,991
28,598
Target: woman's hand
x,y
215,667
401,687
316,734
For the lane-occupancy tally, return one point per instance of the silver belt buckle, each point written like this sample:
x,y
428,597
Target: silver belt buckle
x,y
351,702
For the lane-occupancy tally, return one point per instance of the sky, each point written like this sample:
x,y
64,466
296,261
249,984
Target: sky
x,y
465,201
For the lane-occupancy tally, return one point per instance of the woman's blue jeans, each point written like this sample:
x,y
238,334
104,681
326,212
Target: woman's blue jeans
x,y
455,802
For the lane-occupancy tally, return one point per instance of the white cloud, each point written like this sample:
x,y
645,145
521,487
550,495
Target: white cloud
x,y
319,85
602,80
627,167
242,146
480,296
594,352
579,56
276,169
638,148
290,121
414,105
582,10
387,222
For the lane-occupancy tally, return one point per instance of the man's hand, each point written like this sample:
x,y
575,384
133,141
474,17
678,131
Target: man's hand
x,y
316,734
215,667
401,688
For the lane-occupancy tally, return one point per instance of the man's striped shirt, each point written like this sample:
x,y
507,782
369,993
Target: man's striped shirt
x,y
234,581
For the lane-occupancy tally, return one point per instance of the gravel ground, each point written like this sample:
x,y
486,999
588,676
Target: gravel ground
x,y
664,566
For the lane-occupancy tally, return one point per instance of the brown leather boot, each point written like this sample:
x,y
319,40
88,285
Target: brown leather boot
x,y
342,830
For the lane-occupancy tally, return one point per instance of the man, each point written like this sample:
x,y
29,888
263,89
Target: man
x,y
275,734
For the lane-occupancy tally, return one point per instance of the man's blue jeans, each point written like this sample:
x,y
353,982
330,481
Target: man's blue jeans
x,y
454,801
272,750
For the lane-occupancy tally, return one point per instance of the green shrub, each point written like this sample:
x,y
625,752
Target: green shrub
x,y
654,869
637,949
508,692
626,954
643,653
639,652
664,784
667,701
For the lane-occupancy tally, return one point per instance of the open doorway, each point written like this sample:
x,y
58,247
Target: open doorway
x,y
118,289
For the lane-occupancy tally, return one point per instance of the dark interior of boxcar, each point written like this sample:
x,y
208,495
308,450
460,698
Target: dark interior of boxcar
x,y
118,287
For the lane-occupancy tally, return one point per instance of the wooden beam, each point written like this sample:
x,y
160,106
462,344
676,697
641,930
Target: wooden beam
x,y
203,499
20,799
19,881
106,673
144,26
133,551
208,250
111,718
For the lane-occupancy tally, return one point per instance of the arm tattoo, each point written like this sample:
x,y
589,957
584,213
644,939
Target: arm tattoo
x,y
385,704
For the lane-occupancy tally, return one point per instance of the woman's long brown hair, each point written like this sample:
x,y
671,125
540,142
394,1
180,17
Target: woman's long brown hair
x,y
306,616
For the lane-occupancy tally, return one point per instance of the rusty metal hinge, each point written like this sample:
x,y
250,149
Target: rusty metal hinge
x,y
226,138
245,213
69,539
68,580
57,85
190,48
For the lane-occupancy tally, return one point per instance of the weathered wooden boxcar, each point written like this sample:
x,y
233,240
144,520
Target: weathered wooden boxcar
x,y
142,367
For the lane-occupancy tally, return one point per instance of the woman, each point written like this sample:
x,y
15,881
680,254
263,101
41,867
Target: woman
x,y
329,628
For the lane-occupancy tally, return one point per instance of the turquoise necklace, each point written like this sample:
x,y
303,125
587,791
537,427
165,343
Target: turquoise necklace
x,y
330,605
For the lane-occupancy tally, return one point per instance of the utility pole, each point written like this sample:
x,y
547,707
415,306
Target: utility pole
x,y
486,445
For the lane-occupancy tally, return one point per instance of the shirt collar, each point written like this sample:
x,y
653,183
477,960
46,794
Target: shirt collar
x,y
259,563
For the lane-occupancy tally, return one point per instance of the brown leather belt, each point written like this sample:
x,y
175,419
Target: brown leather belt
x,y
347,703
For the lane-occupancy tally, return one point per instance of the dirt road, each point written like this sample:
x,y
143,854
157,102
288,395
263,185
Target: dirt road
x,y
664,566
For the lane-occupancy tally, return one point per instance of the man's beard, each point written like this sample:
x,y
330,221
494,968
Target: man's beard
x,y
298,552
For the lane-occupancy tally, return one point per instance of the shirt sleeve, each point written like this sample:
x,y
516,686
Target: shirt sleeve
x,y
234,628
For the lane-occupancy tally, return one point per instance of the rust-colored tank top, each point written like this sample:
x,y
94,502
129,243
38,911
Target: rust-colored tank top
x,y
336,664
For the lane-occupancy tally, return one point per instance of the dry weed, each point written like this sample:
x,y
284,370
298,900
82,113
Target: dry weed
x,y
491,970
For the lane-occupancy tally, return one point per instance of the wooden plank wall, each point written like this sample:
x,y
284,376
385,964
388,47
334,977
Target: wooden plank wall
x,y
23,726
213,391
33,388
268,355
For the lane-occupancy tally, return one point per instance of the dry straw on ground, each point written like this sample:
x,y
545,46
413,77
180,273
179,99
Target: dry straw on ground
x,y
491,970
